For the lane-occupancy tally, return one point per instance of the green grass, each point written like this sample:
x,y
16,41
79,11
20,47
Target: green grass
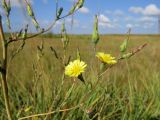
x,y
128,91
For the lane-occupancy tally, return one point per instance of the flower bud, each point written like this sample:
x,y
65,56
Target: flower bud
x,y
80,3
4,4
65,39
127,55
29,10
59,12
72,9
95,34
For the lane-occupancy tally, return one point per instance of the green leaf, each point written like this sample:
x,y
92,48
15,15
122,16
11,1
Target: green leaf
x,y
95,34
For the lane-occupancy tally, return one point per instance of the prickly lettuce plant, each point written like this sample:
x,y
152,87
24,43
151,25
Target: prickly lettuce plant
x,y
76,102
23,35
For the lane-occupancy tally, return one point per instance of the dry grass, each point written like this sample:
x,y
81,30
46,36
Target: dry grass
x,y
127,91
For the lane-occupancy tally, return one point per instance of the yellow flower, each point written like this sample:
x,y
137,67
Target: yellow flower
x,y
75,68
106,58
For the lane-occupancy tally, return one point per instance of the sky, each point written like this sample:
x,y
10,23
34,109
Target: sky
x,y
115,16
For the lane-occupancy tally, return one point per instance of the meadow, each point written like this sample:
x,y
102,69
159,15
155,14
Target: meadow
x,y
128,91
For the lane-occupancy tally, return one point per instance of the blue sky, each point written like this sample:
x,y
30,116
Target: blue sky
x,y
115,16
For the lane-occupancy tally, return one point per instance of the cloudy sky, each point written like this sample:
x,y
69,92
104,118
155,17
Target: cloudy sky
x,y
115,16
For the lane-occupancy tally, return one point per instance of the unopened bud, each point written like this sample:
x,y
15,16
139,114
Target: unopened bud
x,y
126,56
59,12
72,9
29,10
4,4
80,3
95,34
65,39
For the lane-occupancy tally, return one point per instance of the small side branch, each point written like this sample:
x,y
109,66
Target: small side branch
x,y
132,53
49,113
43,30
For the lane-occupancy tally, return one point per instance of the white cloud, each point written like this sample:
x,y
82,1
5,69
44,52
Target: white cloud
x,y
136,9
103,18
142,22
58,23
84,10
129,25
105,22
151,9
146,19
104,25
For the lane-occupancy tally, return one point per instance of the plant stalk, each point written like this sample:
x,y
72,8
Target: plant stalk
x,y
4,72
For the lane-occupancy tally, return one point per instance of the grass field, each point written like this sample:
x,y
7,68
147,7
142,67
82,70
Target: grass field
x,y
128,91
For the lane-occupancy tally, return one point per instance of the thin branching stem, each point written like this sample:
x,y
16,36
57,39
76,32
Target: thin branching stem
x,y
43,30
49,113
135,51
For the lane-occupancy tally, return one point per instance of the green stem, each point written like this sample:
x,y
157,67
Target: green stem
x,y
95,49
4,73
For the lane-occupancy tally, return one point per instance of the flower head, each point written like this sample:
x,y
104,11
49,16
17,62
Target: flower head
x,y
106,58
75,68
